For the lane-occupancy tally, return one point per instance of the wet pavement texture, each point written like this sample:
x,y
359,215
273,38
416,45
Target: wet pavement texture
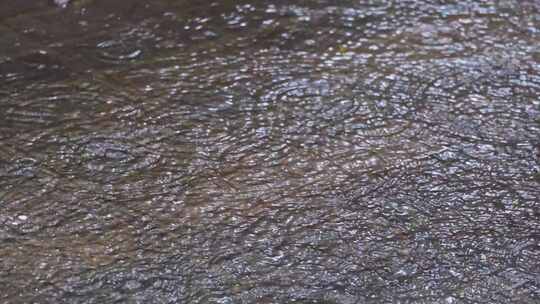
x,y
270,152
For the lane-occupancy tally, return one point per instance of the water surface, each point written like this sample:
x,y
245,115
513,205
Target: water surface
x,y
270,152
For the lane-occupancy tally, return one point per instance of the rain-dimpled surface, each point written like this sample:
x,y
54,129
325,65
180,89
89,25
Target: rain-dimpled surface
x,y
333,152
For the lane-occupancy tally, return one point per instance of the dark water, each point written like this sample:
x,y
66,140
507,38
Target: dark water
x,y
270,152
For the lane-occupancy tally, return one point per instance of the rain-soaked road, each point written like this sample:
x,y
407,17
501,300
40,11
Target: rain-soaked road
x,y
335,152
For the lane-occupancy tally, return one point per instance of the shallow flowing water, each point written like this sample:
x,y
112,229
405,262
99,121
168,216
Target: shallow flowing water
x,y
270,152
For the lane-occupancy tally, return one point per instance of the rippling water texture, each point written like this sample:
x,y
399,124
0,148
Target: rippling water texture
x,y
270,152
